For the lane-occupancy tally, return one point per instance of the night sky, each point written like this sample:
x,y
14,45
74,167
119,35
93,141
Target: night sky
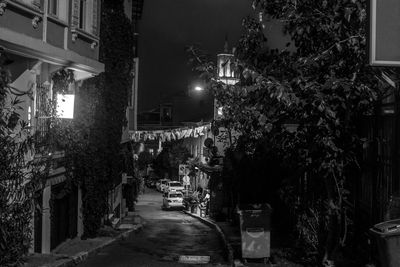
x,y
167,26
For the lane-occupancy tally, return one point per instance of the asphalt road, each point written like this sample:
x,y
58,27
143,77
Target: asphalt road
x,y
165,236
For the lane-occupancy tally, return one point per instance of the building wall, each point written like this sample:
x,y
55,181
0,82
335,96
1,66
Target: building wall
x,y
55,33
59,32
19,21
30,72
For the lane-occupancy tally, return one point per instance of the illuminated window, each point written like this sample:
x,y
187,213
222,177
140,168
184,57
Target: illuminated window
x,y
29,115
220,112
65,106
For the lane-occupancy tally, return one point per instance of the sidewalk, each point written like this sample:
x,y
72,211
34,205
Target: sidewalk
x,y
74,251
231,237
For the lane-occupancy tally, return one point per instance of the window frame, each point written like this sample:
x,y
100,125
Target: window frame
x,y
50,8
82,15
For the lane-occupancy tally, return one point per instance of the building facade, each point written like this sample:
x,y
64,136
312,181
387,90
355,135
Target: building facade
x,y
39,38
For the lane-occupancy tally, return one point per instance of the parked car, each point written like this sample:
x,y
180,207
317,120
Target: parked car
x,y
173,186
172,199
163,183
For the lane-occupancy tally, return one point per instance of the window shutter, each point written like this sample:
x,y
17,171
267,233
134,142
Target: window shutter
x,y
75,14
95,14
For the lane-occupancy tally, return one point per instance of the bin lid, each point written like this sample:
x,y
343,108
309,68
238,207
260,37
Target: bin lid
x,y
255,207
388,227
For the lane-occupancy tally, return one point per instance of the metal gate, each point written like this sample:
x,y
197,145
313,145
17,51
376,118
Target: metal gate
x,y
64,214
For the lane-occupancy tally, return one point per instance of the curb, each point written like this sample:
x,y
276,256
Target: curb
x,y
210,223
82,256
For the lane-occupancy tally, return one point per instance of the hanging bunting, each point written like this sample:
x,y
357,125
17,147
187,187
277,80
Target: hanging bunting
x,y
188,133
172,134
201,130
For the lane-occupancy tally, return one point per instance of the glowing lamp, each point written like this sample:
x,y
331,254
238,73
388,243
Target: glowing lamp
x,y
65,106
220,111
198,88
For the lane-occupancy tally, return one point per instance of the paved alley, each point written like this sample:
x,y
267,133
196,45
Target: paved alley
x,y
165,236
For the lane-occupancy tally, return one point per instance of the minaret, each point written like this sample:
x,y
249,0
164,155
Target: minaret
x,y
226,73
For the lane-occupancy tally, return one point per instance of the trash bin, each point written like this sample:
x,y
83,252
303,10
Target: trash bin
x,y
387,236
255,227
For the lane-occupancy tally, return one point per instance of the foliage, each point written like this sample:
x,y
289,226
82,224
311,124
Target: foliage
x,y
168,160
322,89
92,141
62,79
22,173
144,159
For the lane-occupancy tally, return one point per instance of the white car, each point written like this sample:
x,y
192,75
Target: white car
x,y
172,199
173,186
163,183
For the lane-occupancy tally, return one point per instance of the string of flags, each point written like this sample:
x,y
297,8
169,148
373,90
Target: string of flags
x,y
170,134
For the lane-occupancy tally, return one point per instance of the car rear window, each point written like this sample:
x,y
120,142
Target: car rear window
x,y
175,195
175,184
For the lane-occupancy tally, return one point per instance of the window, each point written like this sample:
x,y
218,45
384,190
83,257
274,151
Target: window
x,y
58,9
29,116
53,7
85,15
82,14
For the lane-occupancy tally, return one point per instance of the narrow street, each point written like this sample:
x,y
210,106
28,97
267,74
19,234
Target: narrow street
x,y
165,236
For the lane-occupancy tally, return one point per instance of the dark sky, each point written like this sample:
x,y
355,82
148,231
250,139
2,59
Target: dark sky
x,y
167,26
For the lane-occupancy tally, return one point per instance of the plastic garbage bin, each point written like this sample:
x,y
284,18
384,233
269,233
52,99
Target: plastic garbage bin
x,y
387,236
255,227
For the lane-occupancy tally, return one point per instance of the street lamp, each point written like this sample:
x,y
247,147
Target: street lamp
x,y
199,88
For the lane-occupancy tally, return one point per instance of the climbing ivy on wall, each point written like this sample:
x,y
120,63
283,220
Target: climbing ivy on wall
x,y
93,143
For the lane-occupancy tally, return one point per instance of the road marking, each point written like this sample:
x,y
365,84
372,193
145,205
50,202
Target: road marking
x,y
191,259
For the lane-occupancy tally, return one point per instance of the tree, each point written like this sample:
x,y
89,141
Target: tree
x,y
92,142
144,159
22,173
325,87
173,154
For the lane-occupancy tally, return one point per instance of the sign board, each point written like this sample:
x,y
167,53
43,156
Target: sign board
x,y
384,39
183,169
189,259
186,180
